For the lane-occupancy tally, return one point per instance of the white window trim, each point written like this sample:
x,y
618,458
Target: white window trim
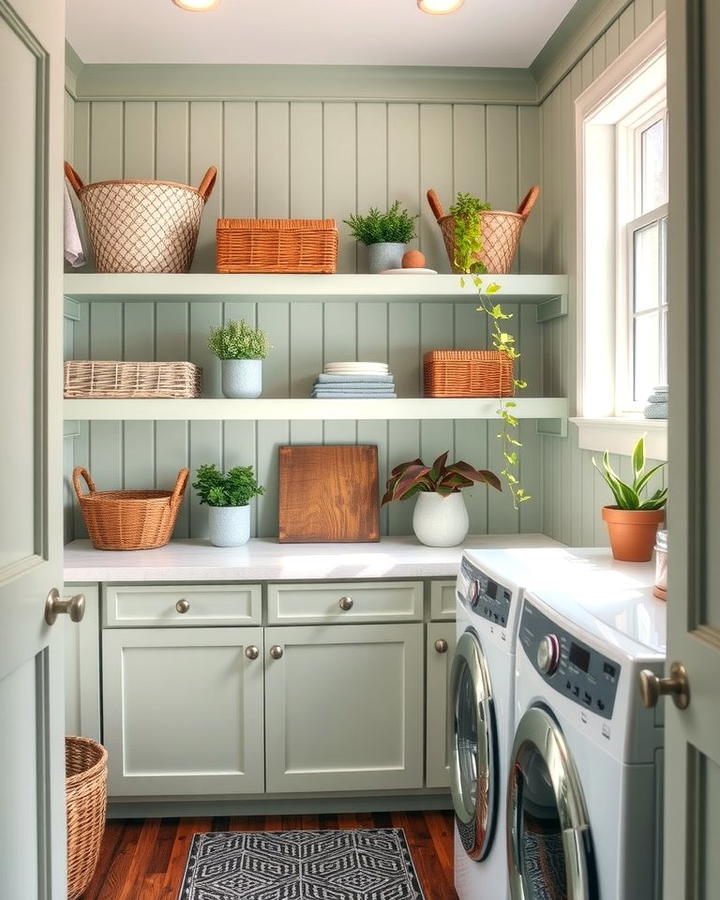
x,y
599,428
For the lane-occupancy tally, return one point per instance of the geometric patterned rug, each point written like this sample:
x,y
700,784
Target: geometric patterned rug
x,y
358,864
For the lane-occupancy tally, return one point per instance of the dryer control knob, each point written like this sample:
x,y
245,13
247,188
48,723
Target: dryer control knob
x,y
548,654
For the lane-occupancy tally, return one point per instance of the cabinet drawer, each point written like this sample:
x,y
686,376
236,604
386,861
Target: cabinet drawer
x,y
442,600
140,605
376,601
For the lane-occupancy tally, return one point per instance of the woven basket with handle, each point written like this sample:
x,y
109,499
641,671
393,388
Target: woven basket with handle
x,y
86,804
467,373
500,232
277,245
142,226
129,520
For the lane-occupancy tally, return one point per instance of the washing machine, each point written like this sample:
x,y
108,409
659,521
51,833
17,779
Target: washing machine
x,y
584,794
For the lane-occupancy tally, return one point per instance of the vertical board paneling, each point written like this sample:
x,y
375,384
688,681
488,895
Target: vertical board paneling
x,y
403,163
306,161
436,155
340,175
172,142
106,141
139,140
306,343
139,437
273,160
530,252
239,160
372,163
69,144
206,146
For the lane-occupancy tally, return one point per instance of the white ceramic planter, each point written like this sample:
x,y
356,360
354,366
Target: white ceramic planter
x,y
440,521
384,256
242,378
229,525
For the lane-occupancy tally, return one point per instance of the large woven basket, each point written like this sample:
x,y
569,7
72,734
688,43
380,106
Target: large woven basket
x,y
86,803
467,373
501,232
106,379
142,226
277,245
129,520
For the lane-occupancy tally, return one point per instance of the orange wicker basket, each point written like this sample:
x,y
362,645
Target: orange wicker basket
x,y
467,373
277,245
129,520
86,804
501,232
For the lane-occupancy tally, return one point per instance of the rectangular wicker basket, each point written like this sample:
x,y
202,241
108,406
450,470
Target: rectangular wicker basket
x,y
467,373
277,245
99,379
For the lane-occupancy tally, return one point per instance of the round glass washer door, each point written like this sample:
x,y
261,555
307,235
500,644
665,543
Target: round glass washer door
x,y
549,842
473,766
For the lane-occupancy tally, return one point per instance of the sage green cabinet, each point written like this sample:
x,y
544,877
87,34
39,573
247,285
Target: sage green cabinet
x,y
439,650
183,711
344,707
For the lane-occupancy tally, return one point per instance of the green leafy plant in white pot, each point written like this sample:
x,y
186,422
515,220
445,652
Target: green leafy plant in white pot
x,y
241,350
228,494
386,235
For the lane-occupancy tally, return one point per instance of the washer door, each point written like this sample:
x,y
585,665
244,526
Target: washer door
x,y
473,767
548,835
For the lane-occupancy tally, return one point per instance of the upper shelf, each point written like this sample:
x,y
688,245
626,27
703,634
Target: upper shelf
x,y
547,292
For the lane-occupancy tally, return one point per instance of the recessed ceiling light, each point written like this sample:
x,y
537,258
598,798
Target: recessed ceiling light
x,y
439,7
197,5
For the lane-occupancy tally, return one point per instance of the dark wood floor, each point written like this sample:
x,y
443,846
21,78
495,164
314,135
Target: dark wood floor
x,y
144,859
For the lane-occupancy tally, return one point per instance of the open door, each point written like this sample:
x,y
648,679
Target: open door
x,y
32,810
692,758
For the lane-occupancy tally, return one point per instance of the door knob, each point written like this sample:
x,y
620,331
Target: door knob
x,y
182,606
441,645
252,652
56,605
652,687
276,652
346,603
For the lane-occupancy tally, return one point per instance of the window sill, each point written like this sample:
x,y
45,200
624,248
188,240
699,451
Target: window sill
x,y
618,435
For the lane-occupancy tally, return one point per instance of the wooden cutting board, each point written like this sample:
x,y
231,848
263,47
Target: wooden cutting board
x,y
329,493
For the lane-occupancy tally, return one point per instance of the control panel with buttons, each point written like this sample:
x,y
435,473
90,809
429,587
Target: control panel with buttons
x,y
483,595
568,665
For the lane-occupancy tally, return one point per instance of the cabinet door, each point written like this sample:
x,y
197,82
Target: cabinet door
x,y
183,711
439,648
344,707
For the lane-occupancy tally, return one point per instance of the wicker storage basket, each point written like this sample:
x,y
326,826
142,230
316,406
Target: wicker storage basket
x,y
105,379
500,232
467,373
142,226
86,800
277,245
129,520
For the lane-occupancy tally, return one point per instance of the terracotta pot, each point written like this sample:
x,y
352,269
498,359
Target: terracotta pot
x,y
632,532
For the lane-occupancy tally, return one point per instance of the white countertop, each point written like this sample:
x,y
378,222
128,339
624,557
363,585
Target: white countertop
x,y
267,560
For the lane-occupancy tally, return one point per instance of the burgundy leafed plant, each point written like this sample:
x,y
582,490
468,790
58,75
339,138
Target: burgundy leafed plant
x,y
409,478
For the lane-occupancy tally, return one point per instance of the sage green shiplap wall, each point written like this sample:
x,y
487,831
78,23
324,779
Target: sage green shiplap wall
x,y
572,493
308,159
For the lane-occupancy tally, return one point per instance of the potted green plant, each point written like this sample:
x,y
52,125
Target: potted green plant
x,y
241,349
385,235
634,518
440,517
228,494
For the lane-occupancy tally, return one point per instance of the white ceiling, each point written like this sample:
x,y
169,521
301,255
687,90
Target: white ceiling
x,y
349,32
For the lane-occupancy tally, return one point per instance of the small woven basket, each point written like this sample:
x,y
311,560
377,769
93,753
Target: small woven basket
x,y
277,245
501,232
129,520
142,226
115,380
467,373
86,804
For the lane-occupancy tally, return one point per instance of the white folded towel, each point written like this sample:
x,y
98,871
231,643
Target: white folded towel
x,y
74,253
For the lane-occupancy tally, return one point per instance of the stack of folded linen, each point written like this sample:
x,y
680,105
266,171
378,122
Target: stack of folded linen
x,y
657,407
345,380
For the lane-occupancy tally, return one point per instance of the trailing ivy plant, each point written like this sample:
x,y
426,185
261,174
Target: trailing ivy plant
x,y
236,487
396,226
467,211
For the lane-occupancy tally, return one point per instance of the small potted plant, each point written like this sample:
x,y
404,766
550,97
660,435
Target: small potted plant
x,y
634,519
385,235
228,495
440,518
241,349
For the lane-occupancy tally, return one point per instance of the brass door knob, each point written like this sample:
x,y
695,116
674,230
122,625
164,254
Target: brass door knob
x,y
346,603
182,606
252,652
441,645
55,605
276,652
652,687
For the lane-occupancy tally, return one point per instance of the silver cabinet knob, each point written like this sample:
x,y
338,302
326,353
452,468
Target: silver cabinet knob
x,y
276,652
346,603
252,652
56,605
652,687
441,645
182,606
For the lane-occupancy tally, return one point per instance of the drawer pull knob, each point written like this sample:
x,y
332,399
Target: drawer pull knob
x,y
441,645
252,652
346,603
182,606
276,652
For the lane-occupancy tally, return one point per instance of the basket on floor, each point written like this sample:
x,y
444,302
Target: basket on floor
x,y
129,520
277,245
501,232
86,800
142,226
468,373
101,379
